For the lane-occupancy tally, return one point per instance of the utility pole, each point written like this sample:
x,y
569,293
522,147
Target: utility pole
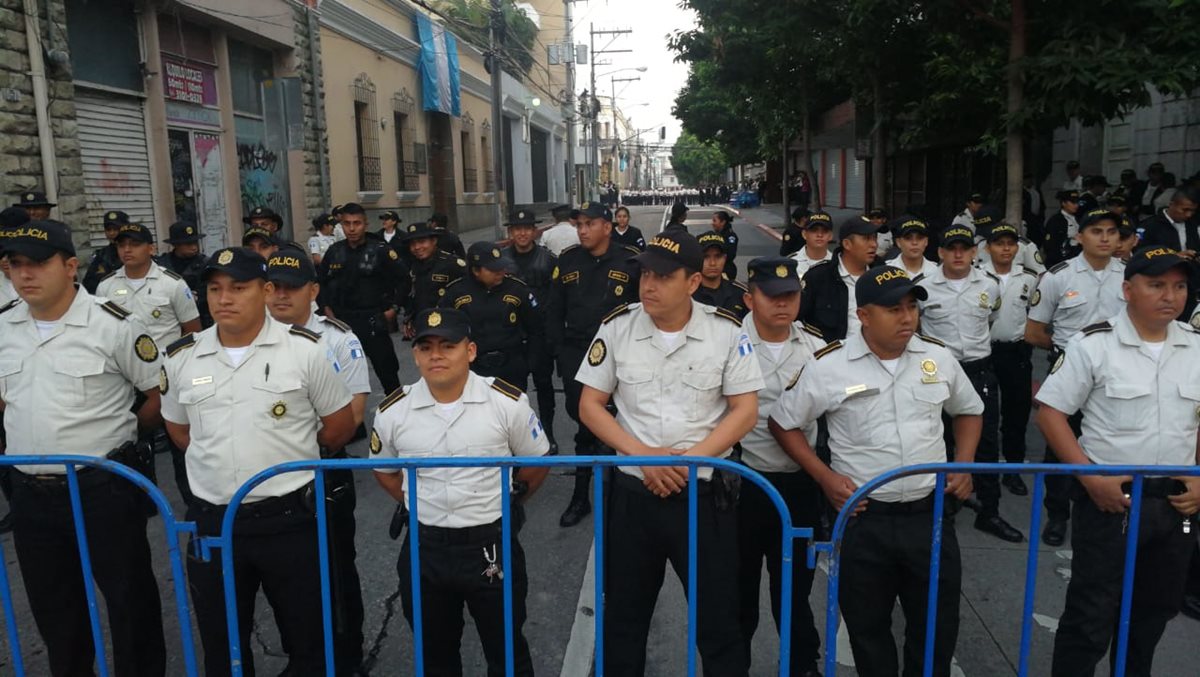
x,y
569,111
595,166
616,135
496,44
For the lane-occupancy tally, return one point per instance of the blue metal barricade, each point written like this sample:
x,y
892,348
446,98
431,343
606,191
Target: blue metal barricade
x,y
833,548
174,529
225,542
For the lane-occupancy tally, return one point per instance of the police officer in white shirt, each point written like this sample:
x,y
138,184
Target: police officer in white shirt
x,y
453,412
70,364
684,380
324,238
1028,255
241,396
156,296
883,392
1074,294
294,279
817,233
1011,355
562,234
912,239
1136,378
783,348
966,219
963,302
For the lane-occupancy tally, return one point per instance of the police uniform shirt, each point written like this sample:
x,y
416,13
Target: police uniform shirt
x,y
960,316
559,236
1071,295
69,393
804,263
1016,289
1195,319
729,295
319,244
927,267
1028,256
852,322
964,220
162,302
759,448
492,419
344,352
430,279
502,317
8,292
1138,408
246,418
880,420
671,395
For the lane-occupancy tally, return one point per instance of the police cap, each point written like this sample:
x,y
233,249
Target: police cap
x,y
486,255
712,239
291,268
34,199
446,323
39,240
182,232
237,262
136,232
115,219
886,286
957,235
1153,261
669,251
774,275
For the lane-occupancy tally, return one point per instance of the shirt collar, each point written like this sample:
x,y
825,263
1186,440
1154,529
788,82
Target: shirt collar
x,y
856,345
271,333
644,328
77,314
1081,265
1127,334
752,331
476,390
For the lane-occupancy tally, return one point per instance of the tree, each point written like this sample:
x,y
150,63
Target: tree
x,y
697,162
472,21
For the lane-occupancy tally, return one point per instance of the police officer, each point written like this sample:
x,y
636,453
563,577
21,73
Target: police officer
x,y
35,205
590,281
966,218
1028,255
912,239
390,231
783,347
1061,229
562,234
507,327
626,233
431,270
534,264
265,218
815,236
678,217
1074,294
684,379
716,289
158,297
722,223
324,238
883,392
447,240
240,397
1135,379
73,364
295,290
105,259
363,283
1011,355
793,234
260,241
886,239
449,411
828,302
962,302
186,260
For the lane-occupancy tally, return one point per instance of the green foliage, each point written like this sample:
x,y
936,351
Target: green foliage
x,y
697,162
472,22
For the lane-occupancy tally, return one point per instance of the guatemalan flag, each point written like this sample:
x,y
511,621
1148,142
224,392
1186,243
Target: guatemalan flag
x,y
439,67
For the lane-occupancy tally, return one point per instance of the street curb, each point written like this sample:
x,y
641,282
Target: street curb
x,y
770,231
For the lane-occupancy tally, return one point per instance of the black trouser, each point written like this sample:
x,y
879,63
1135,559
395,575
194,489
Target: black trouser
x,y
452,562
47,552
646,532
543,382
885,555
372,331
1088,627
345,587
1014,374
987,486
179,466
570,356
508,365
275,549
759,536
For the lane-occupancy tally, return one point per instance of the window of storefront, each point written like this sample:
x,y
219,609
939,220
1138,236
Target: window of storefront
x,y
104,43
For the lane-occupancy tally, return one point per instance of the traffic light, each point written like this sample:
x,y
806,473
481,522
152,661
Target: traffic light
x,y
662,133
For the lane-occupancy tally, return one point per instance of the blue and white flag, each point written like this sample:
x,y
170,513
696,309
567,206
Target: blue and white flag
x,y
439,67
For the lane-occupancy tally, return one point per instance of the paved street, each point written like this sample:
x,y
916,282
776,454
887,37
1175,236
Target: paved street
x,y
991,598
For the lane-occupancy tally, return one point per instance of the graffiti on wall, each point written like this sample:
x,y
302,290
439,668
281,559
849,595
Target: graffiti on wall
x,y
262,173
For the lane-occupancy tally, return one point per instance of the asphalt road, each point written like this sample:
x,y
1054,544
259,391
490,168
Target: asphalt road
x,y
992,591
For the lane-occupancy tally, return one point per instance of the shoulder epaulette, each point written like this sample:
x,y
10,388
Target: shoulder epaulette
x,y
339,324
186,341
632,248
615,313
918,278
930,339
570,248
170,273
819,264
454,282
740,285
811,329
1024,240
994,277
107,276
728,315
114,310
1094,328
795,379
827,349
297,330
507,389
1059,266
1029,272
395,396
9,306
518,280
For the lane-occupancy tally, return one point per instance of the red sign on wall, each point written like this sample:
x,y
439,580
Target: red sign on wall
x,y
189,82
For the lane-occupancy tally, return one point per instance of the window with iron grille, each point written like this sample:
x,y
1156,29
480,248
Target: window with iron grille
x,y
468,154
485,157
403,105
366,134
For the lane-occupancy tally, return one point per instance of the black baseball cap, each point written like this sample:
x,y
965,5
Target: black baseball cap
x,y
1068,196
182,232
1096,216
419,230
560,210
1116,199
595,210
985,219
819,219
263,213
957,235
774,275
522,217
34,199
135,231
1003,230
486,255
671,250
976,197
799,213
856,225
39,240
11,217
115,219
439,220
237,262
886,286
446,323
712,239
909,224
324,220
257,231
291,268
1153,261
1073,164
877,213
389,214
678,209
1097,180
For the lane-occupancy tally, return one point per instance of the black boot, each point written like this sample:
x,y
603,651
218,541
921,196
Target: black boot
x,y
580,505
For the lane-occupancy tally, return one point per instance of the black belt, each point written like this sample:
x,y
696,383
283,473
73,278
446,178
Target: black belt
x,y
977,366
88,477
921,505
267,507
1160,487
1008,344
460,535
634,484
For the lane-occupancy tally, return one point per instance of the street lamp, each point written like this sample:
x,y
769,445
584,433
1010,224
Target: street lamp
x,y
595,109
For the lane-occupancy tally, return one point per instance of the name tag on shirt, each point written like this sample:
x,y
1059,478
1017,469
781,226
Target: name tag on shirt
x,y
860,390
202,380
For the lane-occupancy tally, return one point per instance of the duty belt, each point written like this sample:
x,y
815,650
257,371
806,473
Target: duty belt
x,y
460,535
977,366
921,505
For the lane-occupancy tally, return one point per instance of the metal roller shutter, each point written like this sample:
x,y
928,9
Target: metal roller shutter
x,y
116,161
833,179
856,183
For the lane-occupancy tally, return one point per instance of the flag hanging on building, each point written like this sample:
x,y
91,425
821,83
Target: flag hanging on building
x,y
439,67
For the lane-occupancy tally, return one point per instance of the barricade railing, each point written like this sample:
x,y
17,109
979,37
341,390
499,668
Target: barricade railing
x,y
833,547
174,530
506,466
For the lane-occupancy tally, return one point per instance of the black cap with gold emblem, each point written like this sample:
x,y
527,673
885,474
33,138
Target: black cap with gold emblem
x,y
263,213
34,199
886,286
446,323
418,230
522,217
182,232
671,250
486,255
136,232
39,240
237,262
712,239
115,219
774,275
291,268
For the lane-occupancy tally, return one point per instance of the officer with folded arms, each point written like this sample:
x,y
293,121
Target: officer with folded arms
x,y
430,269
883,392
244,395
684,379
105,260
70,366
186,260
716,288
1136,379
452,411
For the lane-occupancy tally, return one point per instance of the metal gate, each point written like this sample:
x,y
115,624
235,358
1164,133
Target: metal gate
x,y
116,160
